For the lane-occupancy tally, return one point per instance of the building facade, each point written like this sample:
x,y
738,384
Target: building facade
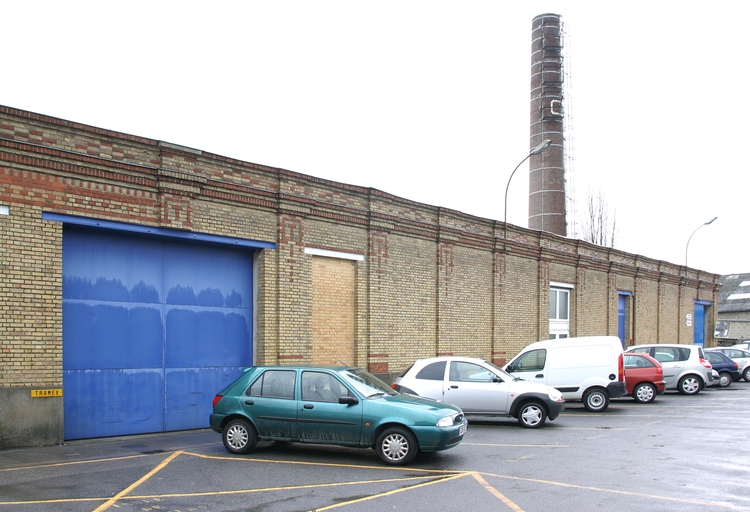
x,y
138,277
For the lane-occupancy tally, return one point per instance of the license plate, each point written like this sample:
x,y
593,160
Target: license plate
x,y
462,429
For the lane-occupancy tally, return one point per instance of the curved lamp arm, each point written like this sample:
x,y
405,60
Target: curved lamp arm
x,y
691,236
534,151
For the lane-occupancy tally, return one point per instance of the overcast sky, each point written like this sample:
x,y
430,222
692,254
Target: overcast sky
x,y
428,100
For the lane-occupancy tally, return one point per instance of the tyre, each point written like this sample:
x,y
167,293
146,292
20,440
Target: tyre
x,y
396,446
532,415
595,400
689,385
239,436
644,393
725,379
746,374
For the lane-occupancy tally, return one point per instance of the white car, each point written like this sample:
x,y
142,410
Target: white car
x,y
480,388
739,356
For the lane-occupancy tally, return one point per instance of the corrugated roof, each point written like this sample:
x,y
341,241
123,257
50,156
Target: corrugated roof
x,y
735,293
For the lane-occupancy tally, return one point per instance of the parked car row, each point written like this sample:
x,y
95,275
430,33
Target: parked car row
x,y
424,409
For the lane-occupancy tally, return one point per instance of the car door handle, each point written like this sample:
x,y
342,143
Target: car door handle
x,y
308,406
454,387
249,402
539,375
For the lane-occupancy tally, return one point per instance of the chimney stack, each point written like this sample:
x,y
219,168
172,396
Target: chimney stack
x,y
546,170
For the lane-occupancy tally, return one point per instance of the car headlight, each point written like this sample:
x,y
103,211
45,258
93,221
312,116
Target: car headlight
x,y
445,422
555,395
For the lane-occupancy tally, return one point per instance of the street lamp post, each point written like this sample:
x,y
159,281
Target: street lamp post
x,y
691,236
534,151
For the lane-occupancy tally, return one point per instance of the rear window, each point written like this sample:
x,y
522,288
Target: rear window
x,y
433,371
632,361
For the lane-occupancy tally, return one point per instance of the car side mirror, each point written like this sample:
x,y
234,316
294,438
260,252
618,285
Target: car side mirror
x,y
348,400
510,368
497,379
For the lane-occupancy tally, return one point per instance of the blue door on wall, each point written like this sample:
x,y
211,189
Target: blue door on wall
x,y
699,321
152,329
622,302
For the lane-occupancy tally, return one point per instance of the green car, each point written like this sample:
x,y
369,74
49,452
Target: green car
x,y
342,406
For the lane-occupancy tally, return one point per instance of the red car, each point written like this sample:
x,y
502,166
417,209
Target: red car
x,y
644,377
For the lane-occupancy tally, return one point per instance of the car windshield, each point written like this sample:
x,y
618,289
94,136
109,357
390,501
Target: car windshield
x,y
501,373
366,383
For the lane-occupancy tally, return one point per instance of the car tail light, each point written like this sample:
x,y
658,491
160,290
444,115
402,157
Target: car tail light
x,y
659,369
706,363
736,366
393,386
621,369
216,400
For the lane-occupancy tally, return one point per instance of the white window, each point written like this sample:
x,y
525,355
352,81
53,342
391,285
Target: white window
x,y
559,311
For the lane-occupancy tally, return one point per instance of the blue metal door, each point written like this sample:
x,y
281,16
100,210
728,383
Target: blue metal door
x,y
699,322
152,329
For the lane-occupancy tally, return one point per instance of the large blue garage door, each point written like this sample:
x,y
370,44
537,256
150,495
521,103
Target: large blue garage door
x,y
152,329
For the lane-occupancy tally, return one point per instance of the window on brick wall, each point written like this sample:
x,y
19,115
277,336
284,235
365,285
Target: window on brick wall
x,y
559,312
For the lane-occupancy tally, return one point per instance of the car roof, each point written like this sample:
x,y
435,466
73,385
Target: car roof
x,y
664,345
449,358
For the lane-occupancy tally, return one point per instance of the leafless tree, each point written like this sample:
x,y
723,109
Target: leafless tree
x,y
599,224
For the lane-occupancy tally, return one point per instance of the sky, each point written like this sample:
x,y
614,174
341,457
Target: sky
x,y
427,100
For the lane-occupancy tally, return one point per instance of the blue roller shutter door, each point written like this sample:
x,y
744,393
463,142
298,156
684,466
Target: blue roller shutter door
x,y
152,329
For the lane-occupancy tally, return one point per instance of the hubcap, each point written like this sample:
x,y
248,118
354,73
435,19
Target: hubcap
x,y
532,415
596,400
395,447
237,437
645,393
691,385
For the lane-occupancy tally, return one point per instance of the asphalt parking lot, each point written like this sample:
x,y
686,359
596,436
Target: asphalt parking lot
x,y
686,453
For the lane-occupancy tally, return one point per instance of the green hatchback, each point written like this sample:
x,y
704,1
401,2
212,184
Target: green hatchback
x,y
327,405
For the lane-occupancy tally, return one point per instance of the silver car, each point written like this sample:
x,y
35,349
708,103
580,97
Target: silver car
x,y
480,388
739,356
685,366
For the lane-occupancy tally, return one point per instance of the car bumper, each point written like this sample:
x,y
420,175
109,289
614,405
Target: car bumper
x,y
661,387
616,389
215,420
435,439
555,409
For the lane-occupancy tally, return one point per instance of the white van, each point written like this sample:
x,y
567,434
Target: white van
x,y
589,368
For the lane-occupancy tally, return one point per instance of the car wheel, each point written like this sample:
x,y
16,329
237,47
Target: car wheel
x,y
689,385
239,436
746,374
595,400
532,415
396,446
725,379
644,393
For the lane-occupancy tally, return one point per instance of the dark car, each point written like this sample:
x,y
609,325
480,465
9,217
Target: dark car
x,y
728,370
326,405
644,377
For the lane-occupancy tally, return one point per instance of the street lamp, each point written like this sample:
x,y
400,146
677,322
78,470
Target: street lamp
x,y
691,236
534,151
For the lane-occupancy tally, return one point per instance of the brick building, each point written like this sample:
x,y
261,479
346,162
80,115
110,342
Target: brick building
x,y
137,277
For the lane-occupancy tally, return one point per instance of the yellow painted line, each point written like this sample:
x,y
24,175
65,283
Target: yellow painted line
x,y
390,493
707,504
496,493
73,463
114,499
282,488
301,463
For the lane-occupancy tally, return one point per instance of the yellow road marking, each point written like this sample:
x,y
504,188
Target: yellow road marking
x,y
496,493
113,500
390,493
708,504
